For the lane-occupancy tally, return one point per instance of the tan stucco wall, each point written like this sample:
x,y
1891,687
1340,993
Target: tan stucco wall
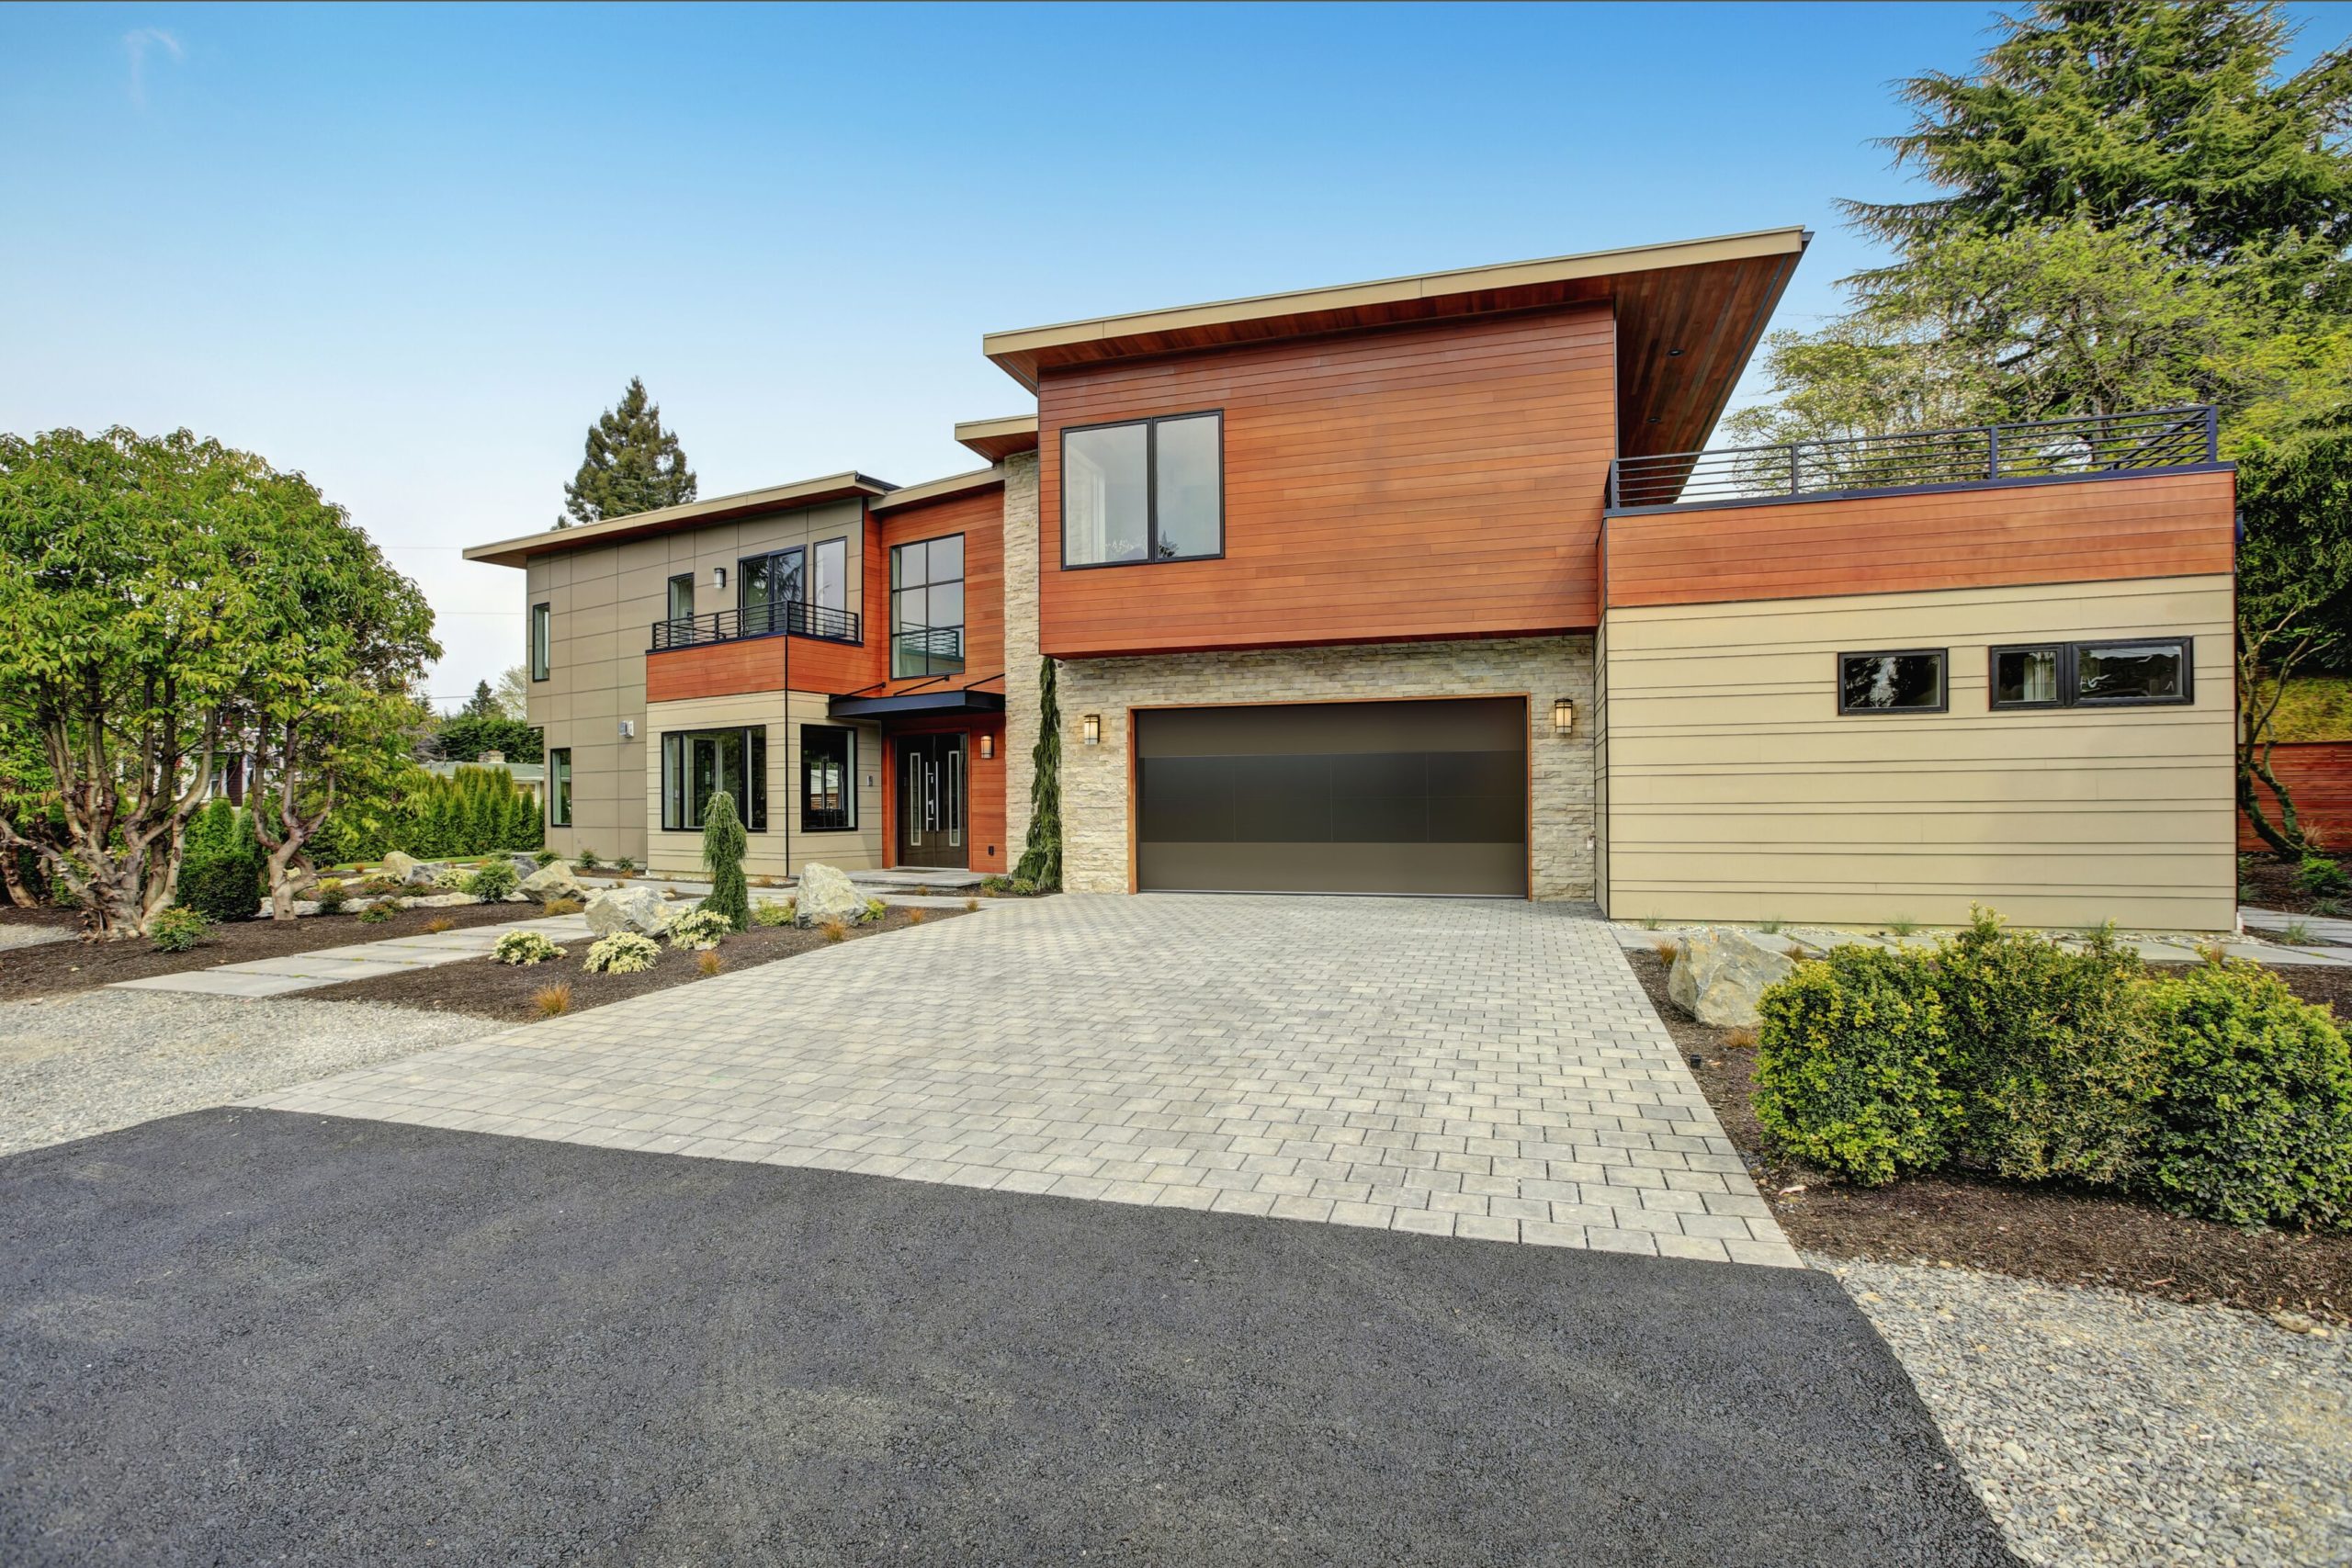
x,y
604,601
1020,647
1094,778
1736,791
784,848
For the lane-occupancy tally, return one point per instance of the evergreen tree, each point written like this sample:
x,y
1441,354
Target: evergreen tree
x,y
1041,859
632,463
723,846
481,704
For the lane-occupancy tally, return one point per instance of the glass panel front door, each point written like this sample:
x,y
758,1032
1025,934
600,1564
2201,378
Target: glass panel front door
x,y
931,800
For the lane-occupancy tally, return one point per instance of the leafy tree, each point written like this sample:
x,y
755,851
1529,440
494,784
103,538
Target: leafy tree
x,y
632,463
465,737
512,694
724,844
28,799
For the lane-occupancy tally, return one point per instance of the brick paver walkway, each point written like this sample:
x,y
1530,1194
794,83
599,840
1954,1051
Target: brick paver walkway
x,y
1470,1068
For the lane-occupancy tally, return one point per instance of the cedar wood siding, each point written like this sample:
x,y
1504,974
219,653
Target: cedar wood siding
x,y
980,518
757,664
2075,531
1438,482
984,824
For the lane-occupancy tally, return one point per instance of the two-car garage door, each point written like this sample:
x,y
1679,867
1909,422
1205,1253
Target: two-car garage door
x,y
1426,797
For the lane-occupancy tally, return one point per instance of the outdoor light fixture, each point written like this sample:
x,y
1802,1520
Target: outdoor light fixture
x,y
988,747
718,577
1090,729
1563,716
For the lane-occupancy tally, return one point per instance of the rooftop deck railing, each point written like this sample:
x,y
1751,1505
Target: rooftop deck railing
x,y
1986,454
792,615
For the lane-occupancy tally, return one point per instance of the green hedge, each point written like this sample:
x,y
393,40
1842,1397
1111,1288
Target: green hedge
x,y
434,816
2216,1092
223,869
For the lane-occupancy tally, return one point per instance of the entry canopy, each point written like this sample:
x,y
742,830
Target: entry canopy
x,y
918,705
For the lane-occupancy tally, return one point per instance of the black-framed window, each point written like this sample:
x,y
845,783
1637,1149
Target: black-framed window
x,y
681,596
764,584
2146,672
829,574
827,779
927,607
560,787
1145,490
542,640
1909,679
698,763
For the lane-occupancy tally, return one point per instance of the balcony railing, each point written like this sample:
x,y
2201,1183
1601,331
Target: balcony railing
x,y
796,617
1870,465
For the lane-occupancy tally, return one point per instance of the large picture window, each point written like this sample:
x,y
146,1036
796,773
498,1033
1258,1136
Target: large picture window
x,y
542,640
827,779
698,763
560,787
927,607
1148,490
1906,680
2124,672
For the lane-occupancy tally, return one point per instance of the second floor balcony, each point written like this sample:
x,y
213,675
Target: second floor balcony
x,y
792,617
2092,445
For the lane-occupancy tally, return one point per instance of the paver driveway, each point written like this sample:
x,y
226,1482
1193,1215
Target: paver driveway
x,y
1481,1069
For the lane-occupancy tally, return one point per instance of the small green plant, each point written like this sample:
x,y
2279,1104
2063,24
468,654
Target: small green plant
x,y
523,949
623,952
494,883
2102,934
177,929
698,929
2295,933
450,878
875,911
996,886
561,907
543,858
834,930
625,866
2318,874
379,887
331,895
2328,908
553,1002
1903,925
1651,923
587,861
1770,928
772,912
377,913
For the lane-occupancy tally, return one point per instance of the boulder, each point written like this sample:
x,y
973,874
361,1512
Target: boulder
x,y
1718,976
553,880
827,894
526,866
401,866
627,909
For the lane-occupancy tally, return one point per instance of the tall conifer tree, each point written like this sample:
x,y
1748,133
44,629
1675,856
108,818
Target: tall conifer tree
x,y
632,463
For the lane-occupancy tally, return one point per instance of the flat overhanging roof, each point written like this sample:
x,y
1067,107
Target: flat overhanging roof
x,y
997,439
938,489
918,705
692,514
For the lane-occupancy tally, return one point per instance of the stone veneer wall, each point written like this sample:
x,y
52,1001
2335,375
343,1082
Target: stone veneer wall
x,y
1020,647
1094,778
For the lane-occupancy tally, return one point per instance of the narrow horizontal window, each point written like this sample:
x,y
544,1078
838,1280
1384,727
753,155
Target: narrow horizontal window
x,y
1906,680
1148,490
2027,677
2140,673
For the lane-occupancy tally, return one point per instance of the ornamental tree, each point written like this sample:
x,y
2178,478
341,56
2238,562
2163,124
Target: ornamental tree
x,y
724,844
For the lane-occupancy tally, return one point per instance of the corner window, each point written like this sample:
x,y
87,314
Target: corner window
x,y
1909,680
2027,677
560,787
927,607
698,763
2126,672
828,766
1149,490
542,640
681,596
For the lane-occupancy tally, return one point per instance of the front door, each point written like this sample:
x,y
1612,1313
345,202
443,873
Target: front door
x,y
931,800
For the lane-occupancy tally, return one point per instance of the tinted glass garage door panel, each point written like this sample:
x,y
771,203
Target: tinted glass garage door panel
x,y
1334,798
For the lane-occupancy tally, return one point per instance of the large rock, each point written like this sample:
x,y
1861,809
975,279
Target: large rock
x,y
627,909
825,894
1718,976
553,880
401,866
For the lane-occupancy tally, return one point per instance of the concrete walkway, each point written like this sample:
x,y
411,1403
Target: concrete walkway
x,y
355,961
1481,1069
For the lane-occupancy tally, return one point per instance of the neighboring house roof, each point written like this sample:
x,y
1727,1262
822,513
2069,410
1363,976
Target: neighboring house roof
x,y
669,519
1689,314
529,774
935,489
997,439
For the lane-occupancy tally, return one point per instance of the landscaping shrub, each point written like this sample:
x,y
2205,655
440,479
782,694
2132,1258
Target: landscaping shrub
x,y
699,928
379,911
2318,876
222,864
773,912
2253,1124
438,924
709,963
723,846
2050,1051
331,895
916,915
875,911
625,866
493,883
561,907
623,952
553,1002
380,885
543,858
588,860
1850,1066
834,930
177,929
450,878
523,949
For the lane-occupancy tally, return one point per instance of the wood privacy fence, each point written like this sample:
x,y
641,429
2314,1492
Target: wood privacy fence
x,y
2319,774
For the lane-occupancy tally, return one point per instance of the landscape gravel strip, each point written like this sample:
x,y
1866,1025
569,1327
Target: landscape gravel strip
x,y
13,935
2105,1427
92,1061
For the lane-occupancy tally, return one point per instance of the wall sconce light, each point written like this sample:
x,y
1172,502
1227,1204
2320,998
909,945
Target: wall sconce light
x,y
1090,729
1563,716
988,747
718,577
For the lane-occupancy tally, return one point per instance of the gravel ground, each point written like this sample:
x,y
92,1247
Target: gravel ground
x,y
2101,1426
92,1061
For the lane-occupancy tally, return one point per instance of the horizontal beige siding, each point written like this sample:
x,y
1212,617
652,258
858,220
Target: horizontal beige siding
x,y
1737,790
784,848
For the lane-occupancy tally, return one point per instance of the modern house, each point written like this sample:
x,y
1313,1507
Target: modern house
x,y
1429,586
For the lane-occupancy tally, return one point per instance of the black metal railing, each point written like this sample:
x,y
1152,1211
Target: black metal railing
x,y
794,615
1987,453
927,650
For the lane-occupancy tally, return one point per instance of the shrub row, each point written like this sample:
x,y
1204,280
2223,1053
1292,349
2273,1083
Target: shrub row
x,y
2214,1090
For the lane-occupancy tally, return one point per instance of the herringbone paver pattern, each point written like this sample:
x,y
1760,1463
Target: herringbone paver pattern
x,y
1480,1069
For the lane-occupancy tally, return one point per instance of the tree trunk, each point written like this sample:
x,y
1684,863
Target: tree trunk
x,y
289,870
12,873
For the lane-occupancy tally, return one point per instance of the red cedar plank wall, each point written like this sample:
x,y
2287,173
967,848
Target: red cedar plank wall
x,y
1428,481
2318,773
980,518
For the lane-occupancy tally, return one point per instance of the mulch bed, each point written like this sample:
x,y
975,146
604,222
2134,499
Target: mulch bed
x,y
60,966
2268,883
2063,1235
507,991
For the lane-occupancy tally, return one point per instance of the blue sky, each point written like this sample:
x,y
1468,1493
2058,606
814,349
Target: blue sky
x,y
412,252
